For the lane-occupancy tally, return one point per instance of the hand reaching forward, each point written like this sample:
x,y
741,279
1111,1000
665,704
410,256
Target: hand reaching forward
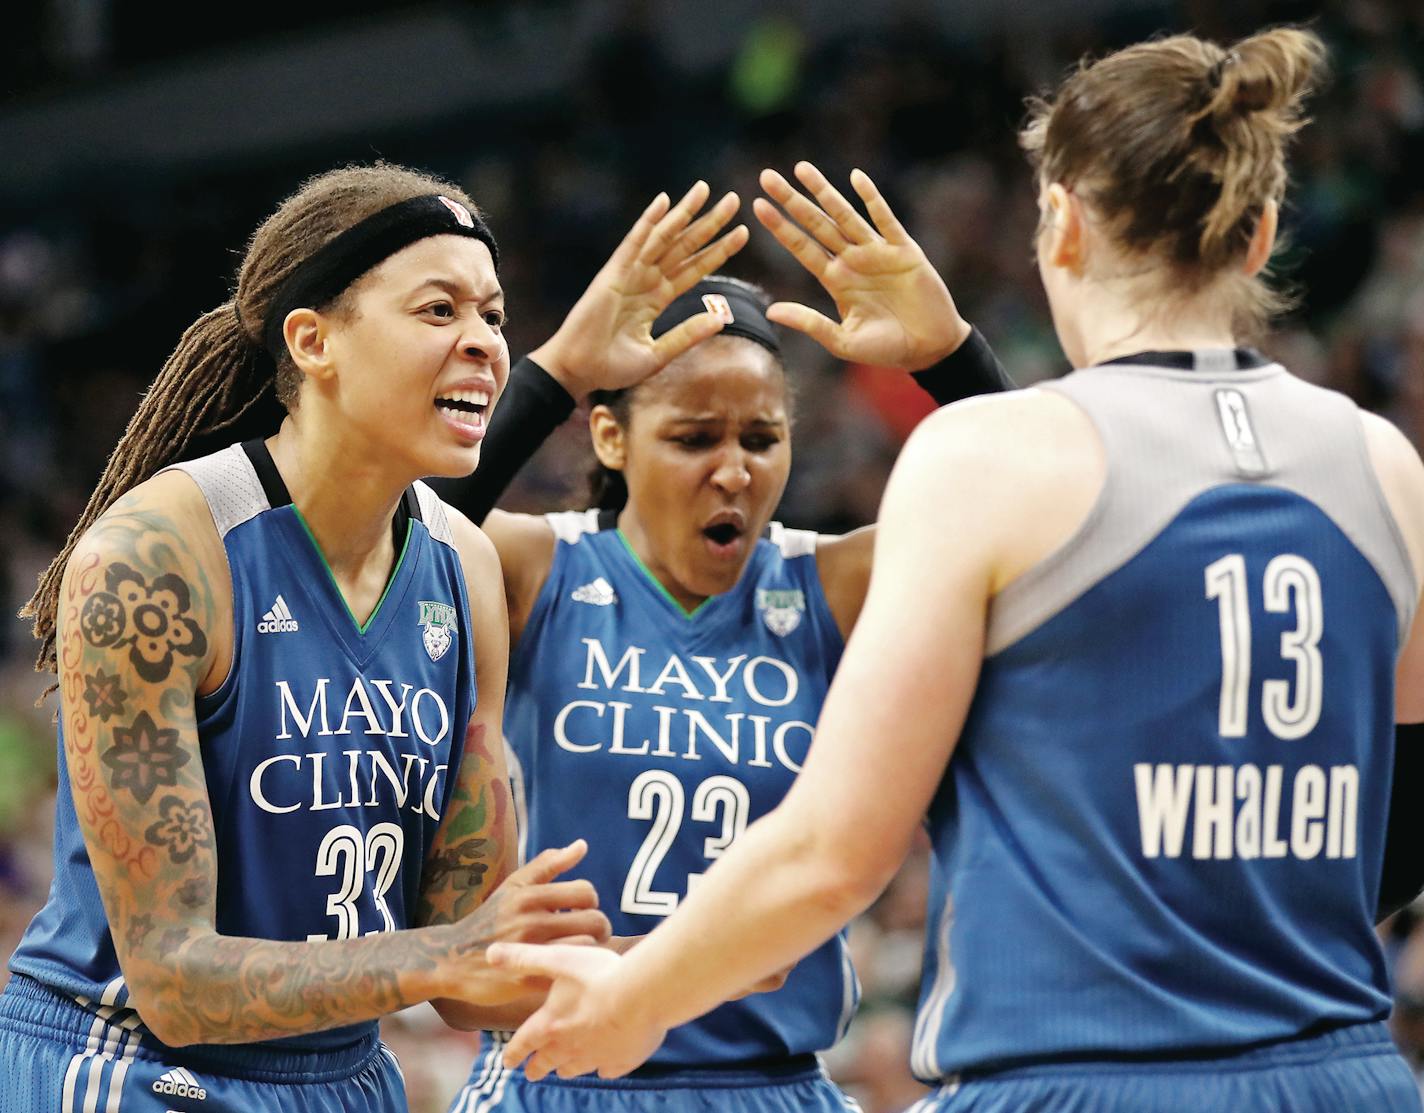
x,y
606,342
895,309
582,1026
529,906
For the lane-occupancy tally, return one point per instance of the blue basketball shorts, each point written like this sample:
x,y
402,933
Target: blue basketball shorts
x,y
58,1057
1349,1070
798,1086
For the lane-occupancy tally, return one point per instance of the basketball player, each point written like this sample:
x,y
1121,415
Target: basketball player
x,y
1154,611
283,804
673,646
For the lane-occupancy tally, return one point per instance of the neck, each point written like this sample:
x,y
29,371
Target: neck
x,y
637,537
346,498
1117,323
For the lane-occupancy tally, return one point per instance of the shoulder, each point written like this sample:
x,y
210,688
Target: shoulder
x,y
167,517
1401,476
476,551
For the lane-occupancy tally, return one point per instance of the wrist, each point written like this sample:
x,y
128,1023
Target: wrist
x,y
961,332
552,357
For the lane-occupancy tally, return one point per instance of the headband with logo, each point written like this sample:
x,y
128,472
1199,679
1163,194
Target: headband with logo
x,y
731,302
334,266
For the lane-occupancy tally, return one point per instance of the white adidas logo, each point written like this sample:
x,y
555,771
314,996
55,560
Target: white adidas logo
x,y
278,620
179,1083
600,593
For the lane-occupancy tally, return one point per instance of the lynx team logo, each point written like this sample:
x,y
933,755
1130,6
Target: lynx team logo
x,y
439,622
781,610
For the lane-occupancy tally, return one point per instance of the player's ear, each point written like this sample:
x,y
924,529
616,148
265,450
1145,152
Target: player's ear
x,y
1263,239
1065,227
308,340
610,444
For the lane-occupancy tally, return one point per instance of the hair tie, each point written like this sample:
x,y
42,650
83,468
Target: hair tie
x,y
1218,70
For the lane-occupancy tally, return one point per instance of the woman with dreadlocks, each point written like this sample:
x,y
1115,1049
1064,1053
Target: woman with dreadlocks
x,y
283,809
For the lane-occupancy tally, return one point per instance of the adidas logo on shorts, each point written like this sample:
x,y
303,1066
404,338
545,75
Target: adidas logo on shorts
x,y
278,620
178,1083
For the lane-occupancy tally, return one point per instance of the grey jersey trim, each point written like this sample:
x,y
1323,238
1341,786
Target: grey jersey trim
x,y
570,525
229,485
432,511
1163,441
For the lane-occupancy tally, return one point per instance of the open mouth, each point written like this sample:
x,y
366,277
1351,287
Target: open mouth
x,y
723,533
467,406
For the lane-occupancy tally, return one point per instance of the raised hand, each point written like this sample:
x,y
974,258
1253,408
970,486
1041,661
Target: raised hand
x,y
606,342
894,308
583,1025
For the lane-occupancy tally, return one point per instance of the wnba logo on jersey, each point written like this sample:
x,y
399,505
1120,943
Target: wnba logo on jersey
x,y
438,620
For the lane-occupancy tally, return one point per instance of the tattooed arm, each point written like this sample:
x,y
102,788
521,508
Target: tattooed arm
x,y
145,623
476,849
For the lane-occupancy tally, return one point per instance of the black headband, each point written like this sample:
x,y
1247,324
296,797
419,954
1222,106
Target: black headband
x,y
747,315
333,267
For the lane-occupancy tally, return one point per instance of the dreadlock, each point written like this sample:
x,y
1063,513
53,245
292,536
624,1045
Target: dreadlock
x,y
220,384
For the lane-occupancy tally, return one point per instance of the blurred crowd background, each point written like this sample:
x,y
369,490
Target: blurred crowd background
x,y
138,156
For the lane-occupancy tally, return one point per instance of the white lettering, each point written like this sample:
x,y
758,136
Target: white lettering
x,y
430,788
720,679
562,739
1213,812
358,695
610,675
304,724
620,716
1307,809
1344,811
697,721
778,743
397,709
1272,846
254,784
419,723
674,672
1163,797
1248,819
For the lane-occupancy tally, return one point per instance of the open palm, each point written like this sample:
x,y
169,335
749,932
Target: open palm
x,y
606,341
894,308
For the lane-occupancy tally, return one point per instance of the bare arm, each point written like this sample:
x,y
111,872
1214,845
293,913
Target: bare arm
x,y
142,622
475,854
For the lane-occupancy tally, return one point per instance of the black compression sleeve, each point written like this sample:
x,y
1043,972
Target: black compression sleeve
x,y
533,406
972,368
1402,878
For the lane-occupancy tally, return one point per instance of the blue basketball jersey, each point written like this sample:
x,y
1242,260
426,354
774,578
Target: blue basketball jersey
x,y
328,751
1161,832
658,736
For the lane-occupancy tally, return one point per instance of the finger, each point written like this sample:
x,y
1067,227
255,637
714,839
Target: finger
x,y
546,960
556,926
524,1042
803,318
709,260
700,231
694,330
804,211
672,224
637,235
549,864
852,225
806,251
879,209
556,896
